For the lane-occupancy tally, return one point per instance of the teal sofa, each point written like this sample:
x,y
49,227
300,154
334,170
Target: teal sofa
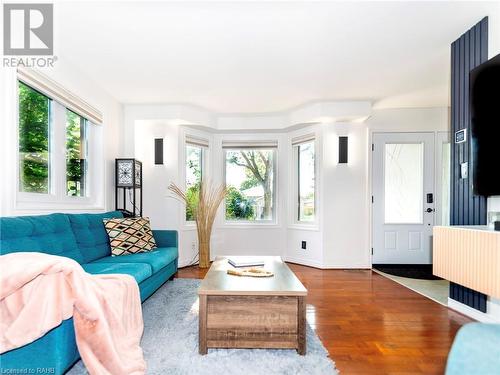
x,y
83,238
475,350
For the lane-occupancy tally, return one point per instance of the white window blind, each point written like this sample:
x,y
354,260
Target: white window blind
x,y
53,90
303,139
196,141
249,144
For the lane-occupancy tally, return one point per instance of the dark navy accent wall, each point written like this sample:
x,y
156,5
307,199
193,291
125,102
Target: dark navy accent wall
x,y
469,297
467,52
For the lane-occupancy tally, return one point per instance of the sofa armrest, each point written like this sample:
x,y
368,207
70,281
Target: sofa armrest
x,y
166,238
476,350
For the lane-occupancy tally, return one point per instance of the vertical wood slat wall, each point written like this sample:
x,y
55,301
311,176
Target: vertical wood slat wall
x,y
467,52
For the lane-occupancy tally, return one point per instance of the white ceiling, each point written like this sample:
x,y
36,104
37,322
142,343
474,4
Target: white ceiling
x,y
255,57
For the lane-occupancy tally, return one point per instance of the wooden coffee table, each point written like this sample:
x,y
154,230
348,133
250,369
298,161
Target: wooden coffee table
x,y
251,312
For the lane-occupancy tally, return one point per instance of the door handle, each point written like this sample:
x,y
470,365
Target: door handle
x,y
429,210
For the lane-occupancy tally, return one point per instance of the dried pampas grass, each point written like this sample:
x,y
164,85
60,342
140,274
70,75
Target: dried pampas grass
x,y
204,210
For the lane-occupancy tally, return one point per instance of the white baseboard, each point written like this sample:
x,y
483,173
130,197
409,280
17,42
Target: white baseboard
x,y
347,266
184,263
472,313
303,262
323,266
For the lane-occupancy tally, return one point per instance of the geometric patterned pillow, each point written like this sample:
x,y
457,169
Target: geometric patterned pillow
x,y
129,235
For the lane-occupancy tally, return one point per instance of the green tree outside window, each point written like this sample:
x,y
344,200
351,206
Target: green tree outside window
x,y
76,155
250,181
194,174
34,142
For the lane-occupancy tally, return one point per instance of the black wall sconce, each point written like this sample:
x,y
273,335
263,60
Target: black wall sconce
x,y
343,150
158,151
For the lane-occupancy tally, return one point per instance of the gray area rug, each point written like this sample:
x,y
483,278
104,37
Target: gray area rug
x,y
170,342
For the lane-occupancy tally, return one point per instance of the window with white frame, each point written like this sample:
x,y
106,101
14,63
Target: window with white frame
x,y
250,177
304,157
34,140
54,142
76,154
196,149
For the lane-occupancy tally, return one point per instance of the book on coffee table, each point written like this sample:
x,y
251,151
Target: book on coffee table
x,y
245,261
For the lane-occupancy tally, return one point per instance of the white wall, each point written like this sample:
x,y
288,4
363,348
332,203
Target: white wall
x,y
163,210
159,204
342,238
409,120
142,124
345,198
346,187
175,114
313,255
494,33
76,82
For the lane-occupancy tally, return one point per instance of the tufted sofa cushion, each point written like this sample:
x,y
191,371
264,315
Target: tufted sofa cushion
x,y
140,271
90,234
157,258
50,234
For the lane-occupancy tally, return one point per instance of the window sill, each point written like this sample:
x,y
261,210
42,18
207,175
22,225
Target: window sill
x,y
188,226
249,225
46,210
58,206
310,227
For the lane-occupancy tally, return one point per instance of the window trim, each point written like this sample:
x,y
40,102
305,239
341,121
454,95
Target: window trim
x,y
86,132
57,198
262,145
57,93
51,187
305,135
199,139
296,182
204,151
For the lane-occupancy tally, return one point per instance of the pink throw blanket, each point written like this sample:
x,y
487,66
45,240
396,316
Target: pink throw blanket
x,y
38,291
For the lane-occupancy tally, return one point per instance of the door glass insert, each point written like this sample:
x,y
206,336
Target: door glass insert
x,y
445,185
403,183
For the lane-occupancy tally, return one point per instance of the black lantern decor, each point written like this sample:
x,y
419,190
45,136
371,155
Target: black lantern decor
x,y
128,179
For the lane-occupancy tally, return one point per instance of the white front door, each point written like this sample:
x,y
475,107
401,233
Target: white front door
x,y
403,198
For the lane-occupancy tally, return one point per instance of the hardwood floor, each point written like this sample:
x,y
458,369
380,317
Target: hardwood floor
x,y
372,325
